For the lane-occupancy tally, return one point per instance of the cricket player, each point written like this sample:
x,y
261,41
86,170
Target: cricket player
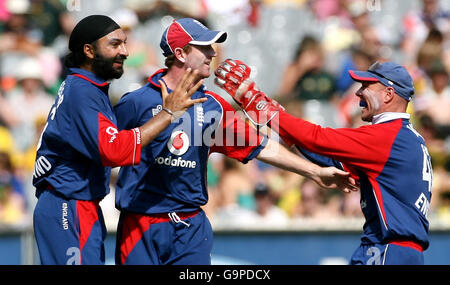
x,y
161,220
81,142
389,157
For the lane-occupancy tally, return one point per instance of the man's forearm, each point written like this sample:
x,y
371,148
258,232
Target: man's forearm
x,y
151,129
279,156
327,177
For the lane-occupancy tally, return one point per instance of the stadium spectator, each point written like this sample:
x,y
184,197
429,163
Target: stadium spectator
x,y
307,80
51,18
418,23
435,100
12,201
350,205
267,213
230,13
313,203
29,102
305,77
18,33
443,212
20,38
235,186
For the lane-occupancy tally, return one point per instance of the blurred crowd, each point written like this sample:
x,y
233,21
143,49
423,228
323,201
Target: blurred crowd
x,y
313,83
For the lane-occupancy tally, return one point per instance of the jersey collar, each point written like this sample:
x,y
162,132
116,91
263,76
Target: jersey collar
x,y
389,116
153,79
89,76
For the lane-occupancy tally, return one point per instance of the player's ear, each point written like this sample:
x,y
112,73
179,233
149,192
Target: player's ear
x,y
389,94
89,51
180,54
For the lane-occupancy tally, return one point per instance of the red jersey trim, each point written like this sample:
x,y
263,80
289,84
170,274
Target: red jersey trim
x,y
93,82
379,200
407,243
150,79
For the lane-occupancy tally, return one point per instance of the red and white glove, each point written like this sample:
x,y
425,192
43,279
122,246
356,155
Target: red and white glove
x,y
233,77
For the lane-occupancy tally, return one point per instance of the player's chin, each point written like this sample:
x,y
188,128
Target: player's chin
x,y
366,116
204,73
118,72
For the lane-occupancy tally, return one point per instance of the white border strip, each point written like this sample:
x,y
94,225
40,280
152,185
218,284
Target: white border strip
x,y
219,34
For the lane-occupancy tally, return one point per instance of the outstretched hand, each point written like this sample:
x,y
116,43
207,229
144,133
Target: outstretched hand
x,y
333,178
180,100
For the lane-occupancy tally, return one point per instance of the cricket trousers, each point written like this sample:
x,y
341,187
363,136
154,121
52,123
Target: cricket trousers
x,y
394,253
164,239
67,231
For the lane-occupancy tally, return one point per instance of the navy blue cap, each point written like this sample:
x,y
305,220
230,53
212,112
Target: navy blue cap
x,y
389,74
188,31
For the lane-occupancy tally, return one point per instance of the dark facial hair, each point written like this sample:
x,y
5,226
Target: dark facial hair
x,y
103,66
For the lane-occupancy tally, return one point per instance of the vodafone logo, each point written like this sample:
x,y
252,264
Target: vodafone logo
x,y
112,132
178,143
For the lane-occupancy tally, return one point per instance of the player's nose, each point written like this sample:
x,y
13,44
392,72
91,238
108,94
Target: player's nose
x,y
359,92
123,51
211,52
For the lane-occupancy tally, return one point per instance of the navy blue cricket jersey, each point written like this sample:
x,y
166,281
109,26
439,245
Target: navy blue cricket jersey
x,y
172,173
81,142
392,163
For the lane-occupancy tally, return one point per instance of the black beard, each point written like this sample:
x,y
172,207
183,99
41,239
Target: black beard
x,y
103,67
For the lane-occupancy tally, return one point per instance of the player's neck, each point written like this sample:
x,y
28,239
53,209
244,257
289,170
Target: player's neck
x,y
172,77
87,67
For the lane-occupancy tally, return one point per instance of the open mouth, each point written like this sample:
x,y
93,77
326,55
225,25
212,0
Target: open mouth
x,y
118,64
363,104
119,61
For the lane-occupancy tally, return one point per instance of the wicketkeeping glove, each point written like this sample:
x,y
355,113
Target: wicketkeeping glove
x,y
233,77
